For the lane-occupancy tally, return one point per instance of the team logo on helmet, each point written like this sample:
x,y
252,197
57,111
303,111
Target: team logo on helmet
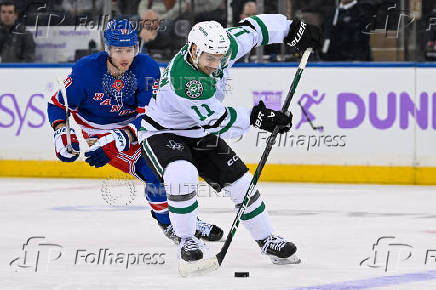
x,y
204,31
120,33
194,89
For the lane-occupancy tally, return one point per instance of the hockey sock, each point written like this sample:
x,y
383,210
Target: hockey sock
x,y
181,181
154,192
255,217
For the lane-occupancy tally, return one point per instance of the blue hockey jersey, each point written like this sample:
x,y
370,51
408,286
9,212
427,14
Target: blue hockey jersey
x,y
99,102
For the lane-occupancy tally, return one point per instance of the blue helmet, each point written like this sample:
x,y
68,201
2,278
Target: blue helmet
x,y
120,33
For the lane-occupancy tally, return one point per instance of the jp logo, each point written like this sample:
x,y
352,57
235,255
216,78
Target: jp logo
x,y
36,253
387,254
306,101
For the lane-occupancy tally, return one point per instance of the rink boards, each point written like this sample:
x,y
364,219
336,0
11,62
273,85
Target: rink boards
x,y
378,122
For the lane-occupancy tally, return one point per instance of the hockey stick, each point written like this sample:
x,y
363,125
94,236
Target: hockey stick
x,y
215,262
67,121
314,128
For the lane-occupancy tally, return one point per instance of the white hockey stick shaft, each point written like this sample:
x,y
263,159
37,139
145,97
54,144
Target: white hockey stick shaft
x,y
67,115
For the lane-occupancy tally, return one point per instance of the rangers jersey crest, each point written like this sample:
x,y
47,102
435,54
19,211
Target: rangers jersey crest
x,y
119,88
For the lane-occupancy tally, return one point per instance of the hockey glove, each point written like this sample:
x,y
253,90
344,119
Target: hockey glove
x,y
267,119
60,140
302,36
107,147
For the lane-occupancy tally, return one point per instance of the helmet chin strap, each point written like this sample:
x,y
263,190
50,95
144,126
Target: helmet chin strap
x,y
119,70
197,56
110,61
118,74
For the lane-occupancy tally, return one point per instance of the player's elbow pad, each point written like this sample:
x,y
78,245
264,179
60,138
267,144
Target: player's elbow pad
x,y
237,125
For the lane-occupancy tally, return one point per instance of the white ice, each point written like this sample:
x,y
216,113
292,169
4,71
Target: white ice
x,y
333,226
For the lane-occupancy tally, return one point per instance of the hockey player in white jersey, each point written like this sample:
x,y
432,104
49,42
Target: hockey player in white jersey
x,y
186,120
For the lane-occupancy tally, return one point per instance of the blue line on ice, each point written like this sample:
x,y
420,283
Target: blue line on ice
x,y
375,282
99,208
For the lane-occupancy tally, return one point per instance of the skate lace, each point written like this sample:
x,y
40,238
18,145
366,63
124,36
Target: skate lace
x,y
274,243
190,244
203,227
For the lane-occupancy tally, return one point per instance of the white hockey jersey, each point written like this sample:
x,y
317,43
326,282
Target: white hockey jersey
x,y
188,102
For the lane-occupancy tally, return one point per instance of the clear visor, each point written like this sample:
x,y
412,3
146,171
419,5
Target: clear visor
x,y
216,61
129,51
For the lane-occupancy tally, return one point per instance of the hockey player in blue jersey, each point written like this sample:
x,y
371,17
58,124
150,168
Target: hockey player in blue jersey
x,y
107,92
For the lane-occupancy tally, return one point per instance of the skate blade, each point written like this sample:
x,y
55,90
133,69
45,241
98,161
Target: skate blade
x,y
197,267
283,261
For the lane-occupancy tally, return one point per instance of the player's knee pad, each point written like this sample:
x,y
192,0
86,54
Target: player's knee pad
x,y
237,190
180,178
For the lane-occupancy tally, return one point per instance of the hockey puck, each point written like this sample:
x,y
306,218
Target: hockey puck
x,y
242,274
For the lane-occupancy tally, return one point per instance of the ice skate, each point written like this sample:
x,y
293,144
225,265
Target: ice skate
x,y
190,249
204,231
208,232
168,232
279,250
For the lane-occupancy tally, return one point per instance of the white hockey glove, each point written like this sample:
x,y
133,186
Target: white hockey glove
x,y
60,140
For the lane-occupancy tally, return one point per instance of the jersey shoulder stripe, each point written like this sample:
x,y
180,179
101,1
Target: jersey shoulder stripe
x,y
263,29
233,46
188,82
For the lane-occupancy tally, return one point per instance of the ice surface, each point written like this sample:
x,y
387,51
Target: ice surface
x,y
333,226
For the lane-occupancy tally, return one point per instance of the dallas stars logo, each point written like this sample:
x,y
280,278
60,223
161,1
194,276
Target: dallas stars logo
x,y
194,89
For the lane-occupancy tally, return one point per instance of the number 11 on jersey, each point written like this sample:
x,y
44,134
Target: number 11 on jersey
x,y
200,115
